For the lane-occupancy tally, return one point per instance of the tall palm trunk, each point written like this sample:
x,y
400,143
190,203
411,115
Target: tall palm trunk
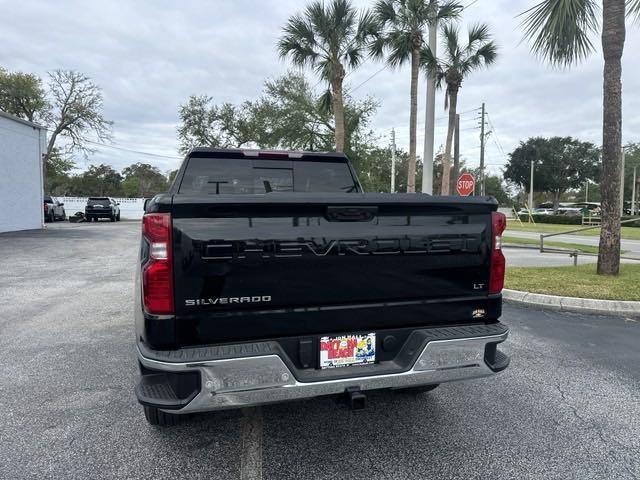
x,y
613,37
413,121
338,112
556,202
452,92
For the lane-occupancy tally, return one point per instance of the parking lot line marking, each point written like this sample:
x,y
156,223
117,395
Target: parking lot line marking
x,y
251,453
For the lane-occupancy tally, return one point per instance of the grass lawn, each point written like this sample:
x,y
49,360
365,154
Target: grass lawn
x,y
548,243
629,233
581,281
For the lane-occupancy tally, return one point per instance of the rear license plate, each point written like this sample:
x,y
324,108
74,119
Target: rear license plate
x,y
347,350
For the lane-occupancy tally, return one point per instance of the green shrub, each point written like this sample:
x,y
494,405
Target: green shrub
x,y
631,224
557,219
572,220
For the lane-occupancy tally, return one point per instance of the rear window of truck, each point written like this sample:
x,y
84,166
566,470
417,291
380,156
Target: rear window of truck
x,y
254,176
98,201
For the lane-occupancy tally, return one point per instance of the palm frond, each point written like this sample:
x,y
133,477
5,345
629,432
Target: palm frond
x,y
488,53
368,26
430,65
353,56
325,68
449,11
560,29
478,33
377,46
325,102
450,36
633,9
400,46
483,57
318,18
301,55
298,42
385,11
459,60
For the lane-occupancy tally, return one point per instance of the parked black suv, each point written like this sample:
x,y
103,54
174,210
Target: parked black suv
x,y
102,207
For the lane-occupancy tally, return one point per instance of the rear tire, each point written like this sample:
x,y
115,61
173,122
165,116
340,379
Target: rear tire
x,y
118,217
160,419
418,390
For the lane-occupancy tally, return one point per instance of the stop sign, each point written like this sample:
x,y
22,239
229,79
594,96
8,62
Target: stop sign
x,y
465,184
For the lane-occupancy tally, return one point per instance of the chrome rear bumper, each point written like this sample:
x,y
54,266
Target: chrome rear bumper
x,y
247,381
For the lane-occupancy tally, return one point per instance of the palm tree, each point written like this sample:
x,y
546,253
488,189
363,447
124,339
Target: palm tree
x,y
560,31
329,38
402,30
458,62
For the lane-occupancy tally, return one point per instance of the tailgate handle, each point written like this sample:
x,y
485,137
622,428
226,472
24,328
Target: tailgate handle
x,y
351,214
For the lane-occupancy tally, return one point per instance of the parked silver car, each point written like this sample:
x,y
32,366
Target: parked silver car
x,y
53,209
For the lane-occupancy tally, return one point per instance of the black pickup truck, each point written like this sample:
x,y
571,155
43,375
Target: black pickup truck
x,y
271,276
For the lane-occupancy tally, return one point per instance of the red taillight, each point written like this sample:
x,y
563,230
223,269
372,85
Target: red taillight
x,y
46,208
157,272
496,275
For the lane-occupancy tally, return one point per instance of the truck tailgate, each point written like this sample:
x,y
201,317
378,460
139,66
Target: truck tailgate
x,y
350,262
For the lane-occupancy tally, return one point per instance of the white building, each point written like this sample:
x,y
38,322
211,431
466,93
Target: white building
x,y
22,145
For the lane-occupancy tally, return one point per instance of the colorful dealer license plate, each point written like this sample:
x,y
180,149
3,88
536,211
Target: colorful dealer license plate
x,y
347,350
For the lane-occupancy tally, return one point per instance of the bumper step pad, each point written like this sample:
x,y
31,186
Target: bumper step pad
x,y
500,362
157,390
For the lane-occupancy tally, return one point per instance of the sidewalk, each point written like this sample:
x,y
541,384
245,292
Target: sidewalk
x,y
632,247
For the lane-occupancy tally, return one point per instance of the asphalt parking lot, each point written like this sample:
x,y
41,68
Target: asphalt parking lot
x,y
567,408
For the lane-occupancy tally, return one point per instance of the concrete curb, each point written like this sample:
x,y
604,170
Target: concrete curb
x,y
572,304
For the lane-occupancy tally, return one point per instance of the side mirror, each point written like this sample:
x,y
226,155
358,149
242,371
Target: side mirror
x,y
117,203
146,200
61,204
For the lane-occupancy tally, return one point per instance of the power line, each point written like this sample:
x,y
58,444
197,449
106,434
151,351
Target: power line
x,y
115,146
129,150
446,117
376,73
495,136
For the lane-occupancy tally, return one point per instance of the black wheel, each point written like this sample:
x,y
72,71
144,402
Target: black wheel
x,y
118,217
159,418
52,217
418,390
64,215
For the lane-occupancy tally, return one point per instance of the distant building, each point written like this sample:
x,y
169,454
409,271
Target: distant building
x,y
22,145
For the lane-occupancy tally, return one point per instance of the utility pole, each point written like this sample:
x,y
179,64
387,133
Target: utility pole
x,y
633,191
430,115
393,160
586,195
530,206
482,151
456,157
622,185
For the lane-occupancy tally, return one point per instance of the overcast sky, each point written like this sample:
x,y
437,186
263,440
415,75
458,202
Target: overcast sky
x,y
148,57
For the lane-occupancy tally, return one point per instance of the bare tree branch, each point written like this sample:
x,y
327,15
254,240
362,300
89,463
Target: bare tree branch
x,y
76,112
